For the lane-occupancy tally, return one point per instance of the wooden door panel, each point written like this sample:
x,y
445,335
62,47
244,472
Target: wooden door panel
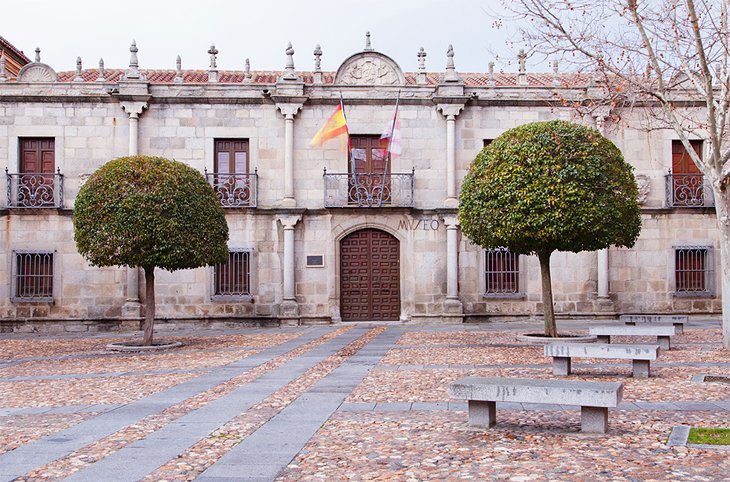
x,y
369,276
682,163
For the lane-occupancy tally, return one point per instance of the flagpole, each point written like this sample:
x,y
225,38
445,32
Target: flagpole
x,y
387,150
350,159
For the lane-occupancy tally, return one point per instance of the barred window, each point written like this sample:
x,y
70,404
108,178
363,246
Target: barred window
x,y
693,269
234,277
502,272
33,276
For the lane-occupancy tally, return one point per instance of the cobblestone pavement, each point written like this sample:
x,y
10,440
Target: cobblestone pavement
x,y
343,402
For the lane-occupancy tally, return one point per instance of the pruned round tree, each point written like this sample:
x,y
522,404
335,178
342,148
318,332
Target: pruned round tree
x,y
149,212
550,186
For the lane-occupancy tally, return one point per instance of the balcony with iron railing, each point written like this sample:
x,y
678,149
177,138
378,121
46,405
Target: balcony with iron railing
x,y
235,190
34,190
368,190
688,191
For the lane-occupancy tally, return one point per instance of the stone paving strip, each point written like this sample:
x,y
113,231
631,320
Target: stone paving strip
x,y
100,375
208,450
23,428
46,450
268,450
128,363
36,348
137,459
86,391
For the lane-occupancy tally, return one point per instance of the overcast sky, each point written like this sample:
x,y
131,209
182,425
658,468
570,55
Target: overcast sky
x,y
258,30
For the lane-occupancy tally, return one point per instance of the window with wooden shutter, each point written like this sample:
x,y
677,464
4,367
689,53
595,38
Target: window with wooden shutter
x,y
369,171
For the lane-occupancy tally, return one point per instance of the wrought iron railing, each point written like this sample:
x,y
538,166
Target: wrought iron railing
x,y
343,190
34,190
235,190
688,191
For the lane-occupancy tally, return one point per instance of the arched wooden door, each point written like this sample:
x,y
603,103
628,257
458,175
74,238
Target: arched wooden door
x,y
369,276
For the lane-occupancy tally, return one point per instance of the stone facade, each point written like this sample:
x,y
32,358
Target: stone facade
x,y
96,115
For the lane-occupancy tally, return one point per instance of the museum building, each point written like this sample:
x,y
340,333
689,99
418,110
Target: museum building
x,y
341,232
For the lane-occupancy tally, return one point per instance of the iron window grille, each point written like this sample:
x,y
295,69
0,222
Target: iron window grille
x,y
694,272
233,278
32,276
501,273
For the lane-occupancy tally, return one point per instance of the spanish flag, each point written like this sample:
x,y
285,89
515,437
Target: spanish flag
x,y
335,126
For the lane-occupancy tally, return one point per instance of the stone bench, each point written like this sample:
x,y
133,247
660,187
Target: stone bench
x,y
563,353
677,320
482,394
663,333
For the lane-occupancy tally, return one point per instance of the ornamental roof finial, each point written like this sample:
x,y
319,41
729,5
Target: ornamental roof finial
x,y
102,73
289,73
178,70
451,75
317,58
247,77
132,72
78,77
368,46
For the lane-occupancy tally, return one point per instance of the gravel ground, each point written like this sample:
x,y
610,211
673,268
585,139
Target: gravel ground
x,y
60,375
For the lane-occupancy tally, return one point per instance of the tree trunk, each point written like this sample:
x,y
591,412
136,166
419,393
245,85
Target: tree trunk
x,y
547,294
149,311
722,208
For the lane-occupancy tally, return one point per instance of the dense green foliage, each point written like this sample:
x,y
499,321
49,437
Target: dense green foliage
x,y
149,212
550,186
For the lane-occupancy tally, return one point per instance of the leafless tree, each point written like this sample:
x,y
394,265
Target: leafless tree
x,y
669,56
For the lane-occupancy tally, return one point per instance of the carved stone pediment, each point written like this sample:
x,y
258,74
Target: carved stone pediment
x,y
37,72
370,68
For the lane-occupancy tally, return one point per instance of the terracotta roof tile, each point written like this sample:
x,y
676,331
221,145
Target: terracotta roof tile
x,y
8,46
270,77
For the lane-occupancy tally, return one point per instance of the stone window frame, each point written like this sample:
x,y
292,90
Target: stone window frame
x,y
521,273
708,271
252,268
35,297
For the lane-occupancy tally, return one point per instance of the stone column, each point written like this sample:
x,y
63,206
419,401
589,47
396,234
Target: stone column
x,y
289,308
453,308
450,111
132,307
289,110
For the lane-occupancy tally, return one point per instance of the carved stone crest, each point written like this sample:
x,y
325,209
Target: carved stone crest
x,y
37,72
369,68
644,184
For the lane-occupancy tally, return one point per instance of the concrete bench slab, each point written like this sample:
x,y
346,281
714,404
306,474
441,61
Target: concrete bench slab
x,y
482,393
640,355
663,333
677,320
